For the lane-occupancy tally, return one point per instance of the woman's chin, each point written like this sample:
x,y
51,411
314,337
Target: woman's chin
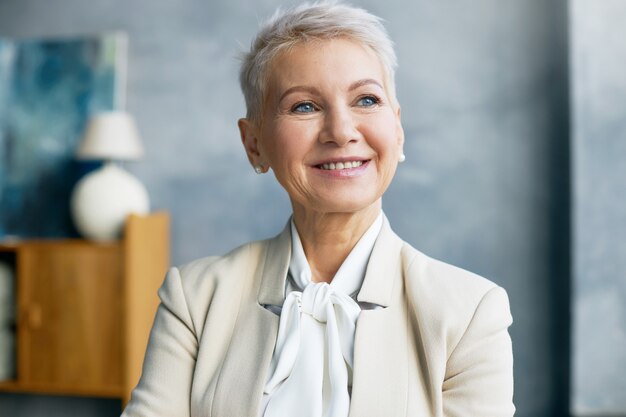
x,y
345,203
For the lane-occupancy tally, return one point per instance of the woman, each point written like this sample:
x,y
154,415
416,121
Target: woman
x,y
336,315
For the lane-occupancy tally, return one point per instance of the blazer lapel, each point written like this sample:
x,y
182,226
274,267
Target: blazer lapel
x,y
240,387
379,386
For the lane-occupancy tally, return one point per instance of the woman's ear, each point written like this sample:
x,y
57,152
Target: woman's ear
x,y
250,140
399,129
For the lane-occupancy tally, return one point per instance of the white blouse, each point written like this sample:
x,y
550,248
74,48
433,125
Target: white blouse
x,y
311,368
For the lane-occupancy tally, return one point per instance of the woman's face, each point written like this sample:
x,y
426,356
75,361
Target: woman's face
x,y
329,130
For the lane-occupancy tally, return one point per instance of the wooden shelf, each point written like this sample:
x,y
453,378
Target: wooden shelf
x,y
84,309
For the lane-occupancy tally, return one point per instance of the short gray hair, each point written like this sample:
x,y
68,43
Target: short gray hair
x,y
306,22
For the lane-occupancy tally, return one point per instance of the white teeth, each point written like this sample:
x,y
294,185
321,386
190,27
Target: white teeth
x,y
342,165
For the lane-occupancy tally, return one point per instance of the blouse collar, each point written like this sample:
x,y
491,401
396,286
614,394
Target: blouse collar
x,y
349,277
383,270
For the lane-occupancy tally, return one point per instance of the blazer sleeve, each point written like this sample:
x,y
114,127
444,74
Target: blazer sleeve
x,y
479,372
164,389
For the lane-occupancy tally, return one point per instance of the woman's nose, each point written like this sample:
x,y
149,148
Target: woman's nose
x,y
339,127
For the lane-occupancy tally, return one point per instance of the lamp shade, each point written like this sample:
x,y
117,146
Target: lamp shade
x,y
111,135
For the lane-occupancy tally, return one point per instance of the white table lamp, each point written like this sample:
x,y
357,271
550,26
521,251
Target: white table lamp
x,y
103,199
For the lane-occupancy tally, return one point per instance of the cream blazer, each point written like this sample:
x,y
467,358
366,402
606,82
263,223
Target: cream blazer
x,y
438,347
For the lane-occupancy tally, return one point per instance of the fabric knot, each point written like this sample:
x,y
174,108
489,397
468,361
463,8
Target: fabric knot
x,y
316,301
314,349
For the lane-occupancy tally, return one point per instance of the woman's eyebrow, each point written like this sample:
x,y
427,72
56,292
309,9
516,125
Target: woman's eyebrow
x,y
361,83
304,88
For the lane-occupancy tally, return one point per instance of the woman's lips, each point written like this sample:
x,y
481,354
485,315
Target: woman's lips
x,y
339,169
340,165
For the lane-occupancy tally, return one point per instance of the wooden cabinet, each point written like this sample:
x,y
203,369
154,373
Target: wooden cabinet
x,y
85,309
69,322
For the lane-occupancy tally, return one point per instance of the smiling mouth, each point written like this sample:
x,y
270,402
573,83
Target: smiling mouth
x,y
333,166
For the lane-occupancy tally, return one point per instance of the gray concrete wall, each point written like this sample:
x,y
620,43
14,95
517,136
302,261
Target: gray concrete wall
x,y
483,86
599,121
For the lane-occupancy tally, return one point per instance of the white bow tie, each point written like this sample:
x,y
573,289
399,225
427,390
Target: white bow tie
x,y
312,361
314,348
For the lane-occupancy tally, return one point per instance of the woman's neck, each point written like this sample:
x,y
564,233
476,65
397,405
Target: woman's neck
x,y
328,238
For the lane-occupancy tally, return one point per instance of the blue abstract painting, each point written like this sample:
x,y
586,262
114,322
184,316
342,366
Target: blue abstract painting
x,y
48,89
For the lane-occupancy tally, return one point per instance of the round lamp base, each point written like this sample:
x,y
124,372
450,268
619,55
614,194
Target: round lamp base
x,y
103,199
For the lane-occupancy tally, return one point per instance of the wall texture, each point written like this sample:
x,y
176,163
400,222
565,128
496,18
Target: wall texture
x,y
599,133
483,88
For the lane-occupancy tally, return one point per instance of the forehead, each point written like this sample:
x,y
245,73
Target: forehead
x,y
331,63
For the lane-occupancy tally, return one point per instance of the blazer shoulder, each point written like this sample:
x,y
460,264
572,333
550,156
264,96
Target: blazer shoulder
x,y
198,283
451,297
211,269
440,279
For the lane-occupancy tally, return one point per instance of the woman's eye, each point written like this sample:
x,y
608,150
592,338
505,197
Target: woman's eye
x,y
305,107
368,101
